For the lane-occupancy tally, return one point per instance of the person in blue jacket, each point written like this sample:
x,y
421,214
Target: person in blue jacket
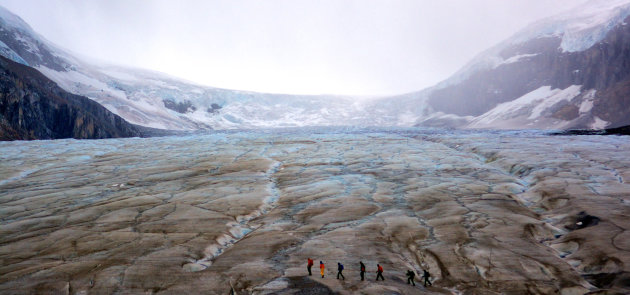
x,y
340,270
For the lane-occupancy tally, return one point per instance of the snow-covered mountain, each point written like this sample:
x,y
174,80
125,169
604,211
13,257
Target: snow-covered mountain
x,y
568,71
157,100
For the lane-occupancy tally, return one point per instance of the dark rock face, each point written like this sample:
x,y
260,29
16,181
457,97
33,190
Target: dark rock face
x,y
567,112
180,107
624,130
604,67
33,107
214,108
614,105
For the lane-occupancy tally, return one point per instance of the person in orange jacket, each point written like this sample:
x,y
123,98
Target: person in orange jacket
x,y
321,268
379,272
309,265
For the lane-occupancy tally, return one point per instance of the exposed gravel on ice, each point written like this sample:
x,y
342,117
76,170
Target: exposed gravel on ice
x,y
483,211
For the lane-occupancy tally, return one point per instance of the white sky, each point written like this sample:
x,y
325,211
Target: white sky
x,y
360,47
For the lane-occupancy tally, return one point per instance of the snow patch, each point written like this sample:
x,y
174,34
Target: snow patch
x,y
599,123
532,105
547,102
515,58
75,81
586,106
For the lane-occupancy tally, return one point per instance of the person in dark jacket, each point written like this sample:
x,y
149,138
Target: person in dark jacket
x,y
362,266
340,270
410,276
426,276
309,265
379,272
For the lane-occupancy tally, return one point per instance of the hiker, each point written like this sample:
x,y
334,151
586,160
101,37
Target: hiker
x,y
410,276
309,265
321,268
339,270
362,269
426,276
379,272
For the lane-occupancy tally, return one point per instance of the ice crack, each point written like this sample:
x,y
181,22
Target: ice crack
x,y
240,229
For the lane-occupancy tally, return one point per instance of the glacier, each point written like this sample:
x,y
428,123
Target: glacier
x,y
483,211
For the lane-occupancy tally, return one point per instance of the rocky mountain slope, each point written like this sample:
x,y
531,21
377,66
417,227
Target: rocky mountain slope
x,y
568,71
34,107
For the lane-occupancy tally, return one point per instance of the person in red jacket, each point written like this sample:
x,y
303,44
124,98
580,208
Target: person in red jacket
x,y
379,272
362,267
321,268
309,265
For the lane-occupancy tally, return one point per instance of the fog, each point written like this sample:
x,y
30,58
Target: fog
x,y
301,47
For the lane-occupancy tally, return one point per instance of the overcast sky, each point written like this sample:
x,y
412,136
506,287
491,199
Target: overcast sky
x,y
359,47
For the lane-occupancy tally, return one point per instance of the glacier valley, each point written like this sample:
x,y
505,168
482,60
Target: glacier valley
x,y
485,212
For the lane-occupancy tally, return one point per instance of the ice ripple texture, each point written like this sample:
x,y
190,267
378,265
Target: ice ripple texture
x,y
483,211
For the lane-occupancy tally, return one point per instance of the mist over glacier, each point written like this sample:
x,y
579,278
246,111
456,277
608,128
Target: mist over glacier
x,y
354,48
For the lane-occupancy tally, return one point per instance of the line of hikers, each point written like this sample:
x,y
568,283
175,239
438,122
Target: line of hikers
x,y
379,272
